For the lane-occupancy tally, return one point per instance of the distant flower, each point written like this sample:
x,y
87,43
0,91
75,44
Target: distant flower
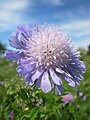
x,y
67,98
11,116
81,95
44,56
2,83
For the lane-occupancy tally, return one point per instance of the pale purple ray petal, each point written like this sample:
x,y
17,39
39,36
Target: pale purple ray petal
x,y
68,80
14,42
75,76
14,55
38,82
18,40
82,66
28,69
45,83
59,89
28,79
26,30
75,73
78,66
24,70
36,75
55,78
26,61
19,69
22,40
66,77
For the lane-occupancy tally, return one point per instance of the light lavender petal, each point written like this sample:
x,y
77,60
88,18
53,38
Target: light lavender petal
x,y
14,55
55,78
59,89
36,75
45,83
14,42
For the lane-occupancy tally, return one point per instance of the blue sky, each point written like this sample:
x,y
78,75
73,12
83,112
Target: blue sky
x,y
73,17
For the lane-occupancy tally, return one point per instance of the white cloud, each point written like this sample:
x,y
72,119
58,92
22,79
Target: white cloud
x,y
83,43
78,28
83,33
80,32
13,4
77,24
12,13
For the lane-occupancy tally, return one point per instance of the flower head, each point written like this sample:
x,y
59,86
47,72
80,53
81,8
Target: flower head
x,y
67,98
44,56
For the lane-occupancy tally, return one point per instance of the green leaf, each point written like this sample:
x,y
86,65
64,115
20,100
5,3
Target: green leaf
x,y
22,93
33,113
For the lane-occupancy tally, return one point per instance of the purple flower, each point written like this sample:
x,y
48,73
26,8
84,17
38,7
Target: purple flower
x,y
11,116
67,98
45,56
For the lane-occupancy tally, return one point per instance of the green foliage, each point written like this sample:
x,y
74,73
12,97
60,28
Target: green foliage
x,y
88,52
2,48
28,103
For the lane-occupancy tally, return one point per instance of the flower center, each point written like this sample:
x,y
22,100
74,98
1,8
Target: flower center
x,y
45,56
46,47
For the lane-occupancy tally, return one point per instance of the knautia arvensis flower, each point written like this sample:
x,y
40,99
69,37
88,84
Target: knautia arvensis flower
x,y
67,98
45,56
